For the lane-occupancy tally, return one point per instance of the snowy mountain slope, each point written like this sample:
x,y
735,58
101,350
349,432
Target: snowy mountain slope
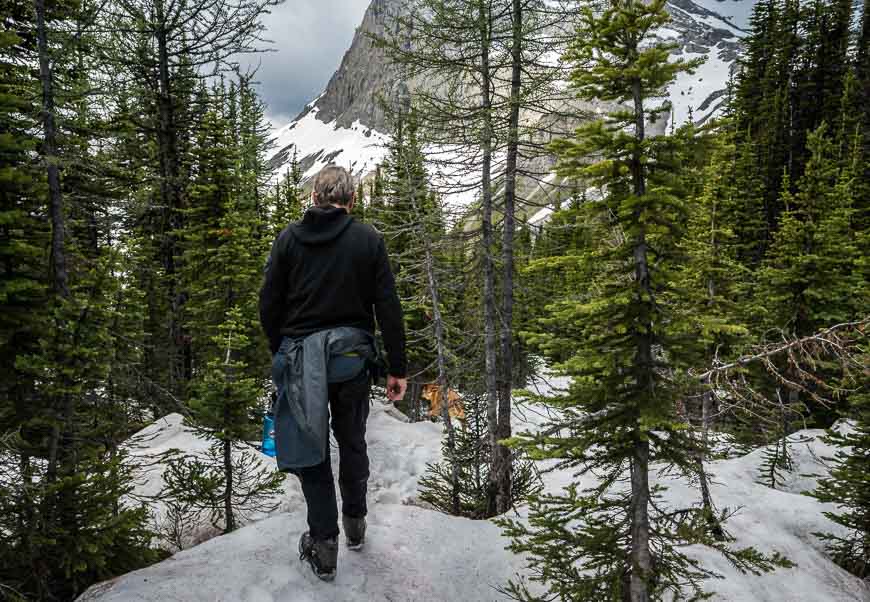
x,y
358,148
345,124
422,555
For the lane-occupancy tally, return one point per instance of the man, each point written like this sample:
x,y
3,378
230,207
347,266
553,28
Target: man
x,y
327,278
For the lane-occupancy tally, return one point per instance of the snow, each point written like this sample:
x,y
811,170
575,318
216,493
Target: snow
x,y
729,18
689,91
358,148
398,453
781,520
666,33
414,553
540,215
411,554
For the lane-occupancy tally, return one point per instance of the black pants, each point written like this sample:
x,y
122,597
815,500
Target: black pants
x,y
349,410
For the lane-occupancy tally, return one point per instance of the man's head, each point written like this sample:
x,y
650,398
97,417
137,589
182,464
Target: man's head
x,y
333,186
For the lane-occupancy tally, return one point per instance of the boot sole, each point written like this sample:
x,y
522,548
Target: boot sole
x,y
356,547
328,577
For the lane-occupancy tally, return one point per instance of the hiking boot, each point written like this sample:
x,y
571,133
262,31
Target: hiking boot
x,y
321,554
354,532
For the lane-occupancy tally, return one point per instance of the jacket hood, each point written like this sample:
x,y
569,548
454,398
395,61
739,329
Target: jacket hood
x,y
322,225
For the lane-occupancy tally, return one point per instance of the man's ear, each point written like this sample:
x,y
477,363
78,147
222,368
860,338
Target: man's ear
x,y
313,198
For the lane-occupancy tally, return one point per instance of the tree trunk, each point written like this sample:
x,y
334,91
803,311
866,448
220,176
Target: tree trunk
x,y
641,557
228,491
489,327
58,269
59,276
230,518
502,464
413,397
443,382
706,499
441,349
170,196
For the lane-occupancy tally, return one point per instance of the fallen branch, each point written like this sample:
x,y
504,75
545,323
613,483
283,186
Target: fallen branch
x,y
827,337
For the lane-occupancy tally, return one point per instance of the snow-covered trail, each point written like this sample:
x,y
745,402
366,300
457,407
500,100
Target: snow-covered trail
x,y
411,554
418,554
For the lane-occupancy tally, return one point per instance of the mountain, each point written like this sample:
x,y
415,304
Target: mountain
x,y
345,124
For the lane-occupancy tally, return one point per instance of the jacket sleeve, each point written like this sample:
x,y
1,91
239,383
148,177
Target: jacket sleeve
x,y
273,296
388,310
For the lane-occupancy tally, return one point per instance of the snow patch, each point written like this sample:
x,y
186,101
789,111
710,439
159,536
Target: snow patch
x,y
695,90
398,453
357,148
411,554
414,553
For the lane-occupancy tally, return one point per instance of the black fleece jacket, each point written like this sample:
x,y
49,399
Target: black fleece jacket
x,y
329,270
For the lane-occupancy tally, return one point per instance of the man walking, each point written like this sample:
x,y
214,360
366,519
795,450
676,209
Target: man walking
x,y
327,278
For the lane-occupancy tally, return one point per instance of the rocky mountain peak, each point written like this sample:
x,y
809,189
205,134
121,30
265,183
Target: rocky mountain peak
x,y
346,123
363,77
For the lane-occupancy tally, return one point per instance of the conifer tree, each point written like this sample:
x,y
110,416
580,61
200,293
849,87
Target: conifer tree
x,y
709,280
458,54
613,539
254,142
376,194
67,523
288,197
167,51
406,208
848,487
794,76
224,226
809,280
360,202
857,103
23,233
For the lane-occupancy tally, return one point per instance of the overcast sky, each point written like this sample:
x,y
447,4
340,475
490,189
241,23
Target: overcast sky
x,y
309,38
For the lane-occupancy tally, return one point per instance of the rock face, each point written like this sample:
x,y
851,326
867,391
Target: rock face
x,y
363,77
346,123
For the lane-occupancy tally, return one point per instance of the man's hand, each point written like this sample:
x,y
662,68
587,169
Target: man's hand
x,y
396,387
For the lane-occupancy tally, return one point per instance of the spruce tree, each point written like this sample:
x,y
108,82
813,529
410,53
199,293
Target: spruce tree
x,y
465,492
224,227
66,522
407,204
860,137
711,278
848,487
795,70
613,539
360,201
809,280
287,205
23,232
165,53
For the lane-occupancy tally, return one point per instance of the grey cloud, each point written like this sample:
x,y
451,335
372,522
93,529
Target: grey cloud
x,y
308,37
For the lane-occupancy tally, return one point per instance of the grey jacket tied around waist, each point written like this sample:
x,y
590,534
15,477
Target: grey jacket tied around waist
x,y
300,371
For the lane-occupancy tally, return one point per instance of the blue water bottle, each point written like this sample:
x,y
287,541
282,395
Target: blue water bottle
x,y
269,435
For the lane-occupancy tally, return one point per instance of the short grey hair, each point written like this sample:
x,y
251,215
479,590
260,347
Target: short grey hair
x,y
333,185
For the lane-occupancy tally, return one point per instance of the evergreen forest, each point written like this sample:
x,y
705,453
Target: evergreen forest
x,y
701,288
